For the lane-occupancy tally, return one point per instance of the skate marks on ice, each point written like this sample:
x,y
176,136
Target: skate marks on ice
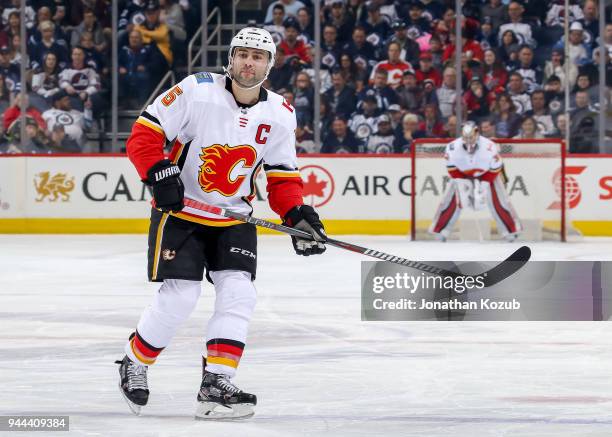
x,y
315,367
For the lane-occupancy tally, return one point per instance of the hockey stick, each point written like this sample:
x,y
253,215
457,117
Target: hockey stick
x,y
491,277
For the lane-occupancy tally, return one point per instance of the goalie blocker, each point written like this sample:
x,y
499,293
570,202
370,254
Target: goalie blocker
x,y
474,164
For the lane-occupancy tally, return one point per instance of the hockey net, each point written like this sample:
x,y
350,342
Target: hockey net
x,y
534,169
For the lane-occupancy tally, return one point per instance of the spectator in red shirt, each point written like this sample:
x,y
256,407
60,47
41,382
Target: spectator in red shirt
x,y
393,65
471,48
291,45
14,112
426,70
495,76
476,100
432,125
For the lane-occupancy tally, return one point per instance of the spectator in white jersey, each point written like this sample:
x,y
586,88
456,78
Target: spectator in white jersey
x,y
447,93
556,67
364,122
382,141
516,90
579,52
530,71
81,82
75,123
518,25
15,6
540,113
275,26
45,82
291,8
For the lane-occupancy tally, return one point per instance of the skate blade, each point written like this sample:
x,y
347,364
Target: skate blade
x,y
135,408
216,411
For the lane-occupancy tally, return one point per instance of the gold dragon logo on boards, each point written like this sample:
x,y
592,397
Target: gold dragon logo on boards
x,y
219,163
53,187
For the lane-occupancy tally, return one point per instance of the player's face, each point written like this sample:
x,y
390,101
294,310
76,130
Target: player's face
x,y
249,66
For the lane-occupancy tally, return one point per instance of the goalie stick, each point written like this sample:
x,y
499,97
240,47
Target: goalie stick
x,y
491,277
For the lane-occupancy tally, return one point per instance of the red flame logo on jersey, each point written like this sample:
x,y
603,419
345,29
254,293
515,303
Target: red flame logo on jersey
x,y
219,163
572,189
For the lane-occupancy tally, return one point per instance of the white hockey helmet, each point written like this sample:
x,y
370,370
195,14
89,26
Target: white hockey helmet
x,y
470,134
253,38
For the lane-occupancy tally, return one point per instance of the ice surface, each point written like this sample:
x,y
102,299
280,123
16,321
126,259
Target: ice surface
x,y
67,304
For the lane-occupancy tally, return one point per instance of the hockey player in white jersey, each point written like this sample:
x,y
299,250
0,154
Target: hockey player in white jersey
x,y
224,129
475,167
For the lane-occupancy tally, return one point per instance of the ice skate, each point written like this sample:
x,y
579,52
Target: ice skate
x,y
511,238
219,399
133,384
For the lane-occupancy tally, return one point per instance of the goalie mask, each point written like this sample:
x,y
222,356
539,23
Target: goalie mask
x,y
252,38
470,134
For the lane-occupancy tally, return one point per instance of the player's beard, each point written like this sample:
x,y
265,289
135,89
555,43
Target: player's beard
x,y
248,80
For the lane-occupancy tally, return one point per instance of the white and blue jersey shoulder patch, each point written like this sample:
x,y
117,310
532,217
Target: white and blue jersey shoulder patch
x,y
203,77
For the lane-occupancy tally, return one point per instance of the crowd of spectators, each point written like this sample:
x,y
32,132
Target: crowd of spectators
x,y
68,77
388,70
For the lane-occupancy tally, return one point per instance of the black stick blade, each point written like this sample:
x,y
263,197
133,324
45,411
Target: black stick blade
x,y
508,267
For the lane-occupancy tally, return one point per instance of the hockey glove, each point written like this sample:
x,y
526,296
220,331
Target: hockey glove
x,y
305,218
168,189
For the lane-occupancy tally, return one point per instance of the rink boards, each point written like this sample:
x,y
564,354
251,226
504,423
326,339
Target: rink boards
x,y
354,194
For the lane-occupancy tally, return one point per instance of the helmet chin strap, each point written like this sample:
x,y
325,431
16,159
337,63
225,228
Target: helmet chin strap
x,y
247,88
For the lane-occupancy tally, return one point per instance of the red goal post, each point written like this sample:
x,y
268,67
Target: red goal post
x,y
536,184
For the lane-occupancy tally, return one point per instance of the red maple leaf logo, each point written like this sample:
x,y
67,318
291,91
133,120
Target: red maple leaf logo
x,y
312,186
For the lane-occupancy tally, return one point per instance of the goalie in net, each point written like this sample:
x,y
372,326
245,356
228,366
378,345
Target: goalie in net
x,y
475,167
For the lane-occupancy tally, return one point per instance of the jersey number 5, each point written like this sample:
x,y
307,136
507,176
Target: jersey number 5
x,y
171,96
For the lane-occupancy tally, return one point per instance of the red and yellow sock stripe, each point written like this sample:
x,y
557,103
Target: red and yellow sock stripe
x,y
142,350
224,352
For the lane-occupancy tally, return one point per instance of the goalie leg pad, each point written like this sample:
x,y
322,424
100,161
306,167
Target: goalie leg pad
x,y
506,218
448,212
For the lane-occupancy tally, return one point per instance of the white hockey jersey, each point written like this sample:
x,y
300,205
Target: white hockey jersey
x,y
73,121
221,146
484,162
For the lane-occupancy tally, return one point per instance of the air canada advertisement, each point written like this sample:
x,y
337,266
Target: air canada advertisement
x,y
346,188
